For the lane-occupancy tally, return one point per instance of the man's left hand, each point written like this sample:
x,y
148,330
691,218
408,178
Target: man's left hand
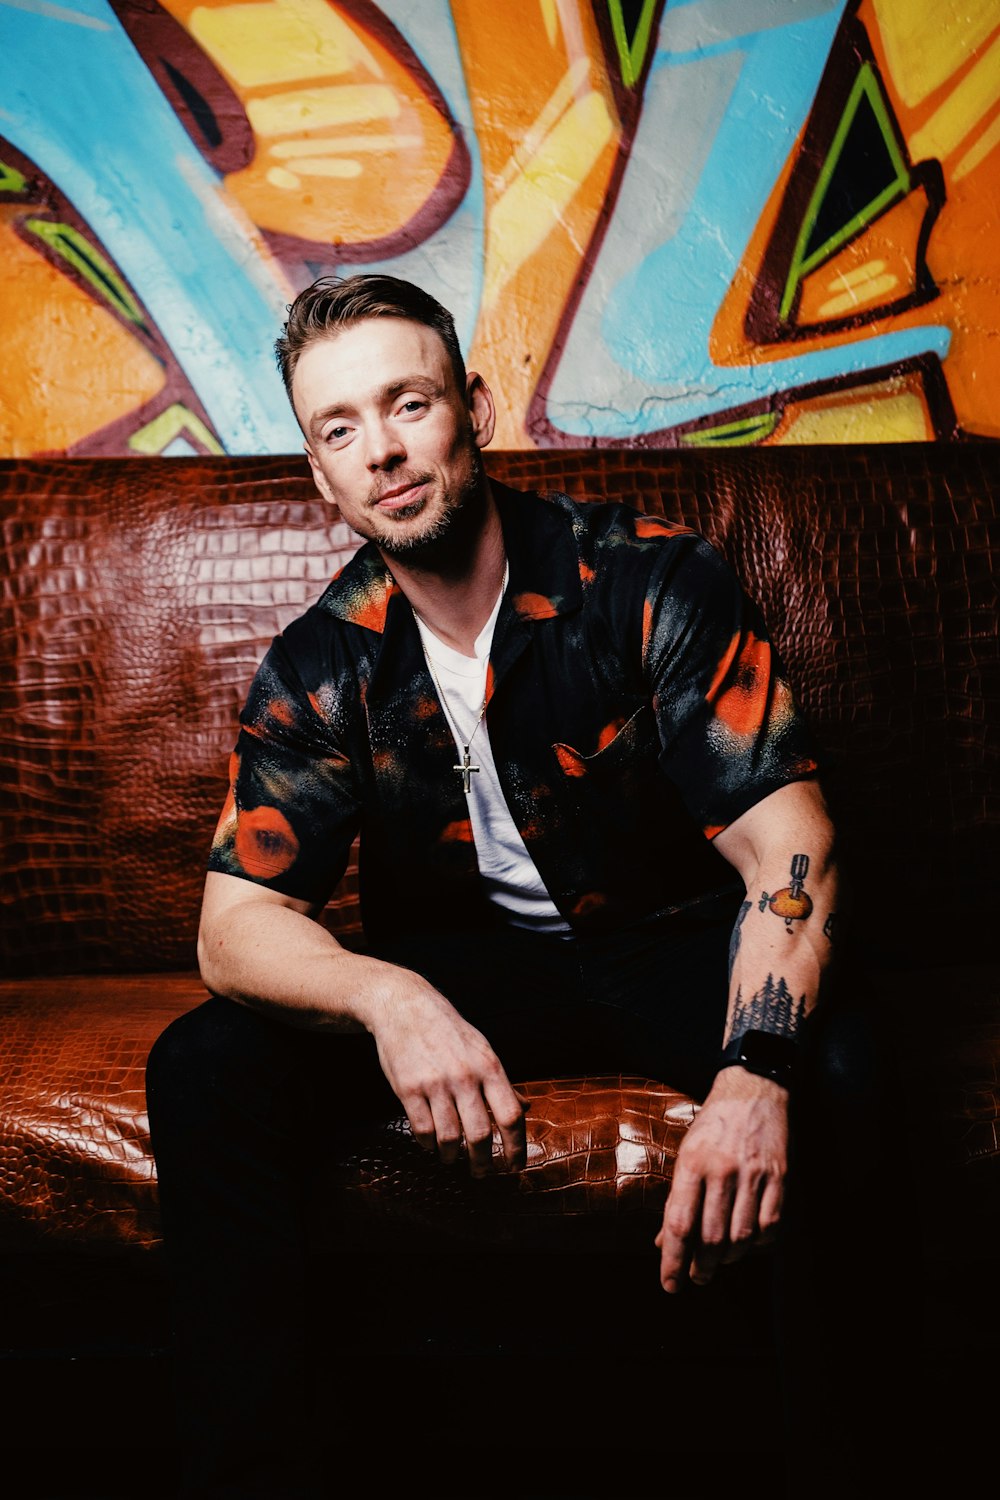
x,y
729,1179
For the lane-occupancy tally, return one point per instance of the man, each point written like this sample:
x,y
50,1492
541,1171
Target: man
x,y
592,834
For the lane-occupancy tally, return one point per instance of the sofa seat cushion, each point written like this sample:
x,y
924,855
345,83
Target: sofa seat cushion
x,y
601,1152
76,1167
75,1162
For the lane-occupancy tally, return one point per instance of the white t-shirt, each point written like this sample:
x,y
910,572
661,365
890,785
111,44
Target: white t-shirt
x,y
507,869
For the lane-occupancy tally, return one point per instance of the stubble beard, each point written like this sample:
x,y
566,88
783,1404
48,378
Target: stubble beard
x,y
443,544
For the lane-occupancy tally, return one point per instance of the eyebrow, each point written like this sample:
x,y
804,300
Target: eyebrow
x,y
425,384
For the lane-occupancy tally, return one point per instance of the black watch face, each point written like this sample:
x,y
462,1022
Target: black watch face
x,y
764,1049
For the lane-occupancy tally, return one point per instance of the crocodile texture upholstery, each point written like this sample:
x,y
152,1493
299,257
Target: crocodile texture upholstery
x,y
75,1164
74,1150
600,1157
137,598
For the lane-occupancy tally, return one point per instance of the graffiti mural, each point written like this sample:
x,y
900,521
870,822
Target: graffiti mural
x,y
664,222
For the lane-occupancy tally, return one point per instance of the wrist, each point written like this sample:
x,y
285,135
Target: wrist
x,y
393,995
764,1054
735,1085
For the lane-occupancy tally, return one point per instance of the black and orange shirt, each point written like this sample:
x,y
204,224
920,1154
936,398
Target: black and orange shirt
x,y
636,708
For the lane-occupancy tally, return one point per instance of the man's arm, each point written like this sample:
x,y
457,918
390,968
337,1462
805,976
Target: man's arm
x,y
267,951
729,1177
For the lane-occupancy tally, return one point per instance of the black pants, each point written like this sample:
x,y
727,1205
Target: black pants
x,y
240,1105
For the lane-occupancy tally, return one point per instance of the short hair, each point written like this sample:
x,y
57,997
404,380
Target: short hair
x,y
336,302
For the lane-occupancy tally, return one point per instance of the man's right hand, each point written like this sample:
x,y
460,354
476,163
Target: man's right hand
x,y
446,1075
266,949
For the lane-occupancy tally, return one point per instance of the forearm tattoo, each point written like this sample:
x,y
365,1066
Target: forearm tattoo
x,y
734,941
772,1008
792,902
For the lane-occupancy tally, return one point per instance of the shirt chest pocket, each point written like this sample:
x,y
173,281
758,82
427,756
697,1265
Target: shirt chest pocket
x,y
634,745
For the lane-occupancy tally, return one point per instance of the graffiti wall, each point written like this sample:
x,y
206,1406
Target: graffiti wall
x,y
665,222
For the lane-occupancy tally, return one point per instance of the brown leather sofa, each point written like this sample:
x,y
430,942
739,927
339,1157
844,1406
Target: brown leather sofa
x,y
138,596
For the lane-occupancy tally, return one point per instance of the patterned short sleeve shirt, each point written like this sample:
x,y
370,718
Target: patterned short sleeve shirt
x,y
636,707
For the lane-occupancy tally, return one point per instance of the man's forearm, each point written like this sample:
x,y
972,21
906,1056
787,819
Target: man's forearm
x,y
784,941
729,1177
277,959
269,954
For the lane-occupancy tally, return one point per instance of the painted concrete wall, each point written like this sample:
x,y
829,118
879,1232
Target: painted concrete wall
x,y
702,221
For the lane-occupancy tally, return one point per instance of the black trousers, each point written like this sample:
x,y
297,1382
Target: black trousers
x,y
240,1105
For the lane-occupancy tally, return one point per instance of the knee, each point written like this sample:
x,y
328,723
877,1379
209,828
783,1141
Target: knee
x,y
176,1062
221,1067
169,1053
194,1060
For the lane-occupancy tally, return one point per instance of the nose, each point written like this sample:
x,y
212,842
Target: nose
x,y
385,447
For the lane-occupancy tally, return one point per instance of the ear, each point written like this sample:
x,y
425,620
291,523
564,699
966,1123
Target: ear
x,y
482,410
319,478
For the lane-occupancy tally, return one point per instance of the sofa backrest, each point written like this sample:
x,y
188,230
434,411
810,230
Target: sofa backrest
x,y
139,595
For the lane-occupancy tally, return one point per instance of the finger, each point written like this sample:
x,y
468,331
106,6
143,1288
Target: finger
x,y
418,1112
713,1240
675,1238
674,1259
477,1128
447,1128
745,1223
507,1108
772,1201
755,1217
706,1259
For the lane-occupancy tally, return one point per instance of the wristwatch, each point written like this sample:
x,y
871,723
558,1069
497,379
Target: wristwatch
x,y
764,1053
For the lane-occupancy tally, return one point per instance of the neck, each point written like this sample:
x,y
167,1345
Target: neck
x,y
455,596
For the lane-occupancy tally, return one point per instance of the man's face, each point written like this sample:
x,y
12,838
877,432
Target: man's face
x,y
392,440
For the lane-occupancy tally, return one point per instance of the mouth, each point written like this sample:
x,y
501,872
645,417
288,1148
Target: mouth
x,y
401,496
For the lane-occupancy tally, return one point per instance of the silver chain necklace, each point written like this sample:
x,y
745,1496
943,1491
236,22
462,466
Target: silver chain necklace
x,y
466,769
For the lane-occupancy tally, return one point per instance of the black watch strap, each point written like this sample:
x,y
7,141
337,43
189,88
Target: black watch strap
x,y
764,1053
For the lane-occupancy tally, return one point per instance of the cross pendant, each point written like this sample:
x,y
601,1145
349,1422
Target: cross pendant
x,y
465,770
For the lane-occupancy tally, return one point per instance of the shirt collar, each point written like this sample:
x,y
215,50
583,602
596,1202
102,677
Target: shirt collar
x,y
541,553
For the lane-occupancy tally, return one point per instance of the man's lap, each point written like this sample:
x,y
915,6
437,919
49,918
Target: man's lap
x,y
651,1002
